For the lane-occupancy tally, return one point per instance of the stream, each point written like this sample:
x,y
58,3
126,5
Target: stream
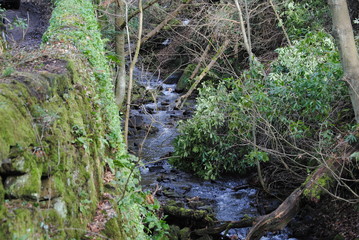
x,y
229,198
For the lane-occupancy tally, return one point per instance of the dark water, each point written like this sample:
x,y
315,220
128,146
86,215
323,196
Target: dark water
x,y
161,117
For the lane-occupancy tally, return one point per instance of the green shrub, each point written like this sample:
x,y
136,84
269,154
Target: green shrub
x,y
296,106
302,17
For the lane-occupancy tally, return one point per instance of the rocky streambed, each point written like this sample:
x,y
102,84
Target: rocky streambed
x,y
153,128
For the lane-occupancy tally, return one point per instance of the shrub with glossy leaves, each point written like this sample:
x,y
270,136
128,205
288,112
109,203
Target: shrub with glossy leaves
x,y
295,106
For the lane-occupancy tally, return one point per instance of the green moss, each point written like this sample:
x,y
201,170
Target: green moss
x,y
184,83
22,225
112,229
27,186
54,224
68,127
185,233
316,190
2,200
15,128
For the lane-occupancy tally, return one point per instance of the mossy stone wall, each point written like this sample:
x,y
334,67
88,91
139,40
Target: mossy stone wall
x,y
59,130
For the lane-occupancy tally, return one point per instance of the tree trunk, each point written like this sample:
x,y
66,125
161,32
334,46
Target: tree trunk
x,y
246,39
120,82
132,66
345,37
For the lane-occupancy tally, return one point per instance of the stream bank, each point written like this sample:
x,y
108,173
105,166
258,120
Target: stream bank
x,y
26,25
152,129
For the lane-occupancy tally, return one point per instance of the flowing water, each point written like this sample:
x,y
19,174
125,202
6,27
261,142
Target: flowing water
x,y
231,198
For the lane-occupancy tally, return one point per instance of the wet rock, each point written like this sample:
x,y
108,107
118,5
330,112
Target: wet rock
x,y
196,204
186,188
166,103
151,109
188,217
171,112
171,193
207,208
173,78
205,237
162,178
270,205
187,113
135,121
175,203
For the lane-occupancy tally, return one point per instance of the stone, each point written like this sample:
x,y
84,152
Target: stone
x,y
27,186
49,189
173,78
60,207
171,194
16,165
185,233
136,122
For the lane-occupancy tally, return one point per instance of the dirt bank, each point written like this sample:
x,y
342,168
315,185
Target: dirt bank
x,y
35,15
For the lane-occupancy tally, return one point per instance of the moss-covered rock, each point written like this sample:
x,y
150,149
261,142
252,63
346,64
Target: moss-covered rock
x,y
113,229
15,129
184,83
27,186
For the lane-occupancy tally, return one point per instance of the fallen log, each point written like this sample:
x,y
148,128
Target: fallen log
x,y
217,229
311,189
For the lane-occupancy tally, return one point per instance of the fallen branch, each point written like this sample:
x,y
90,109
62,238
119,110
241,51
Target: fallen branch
x,y
312,189
170,16
181,100
217,229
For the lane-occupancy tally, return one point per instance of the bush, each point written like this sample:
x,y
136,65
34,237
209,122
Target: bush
x,y
295,106
305,16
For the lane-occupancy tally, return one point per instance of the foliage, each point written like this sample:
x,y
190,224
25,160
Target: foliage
x,y
302,17
295,106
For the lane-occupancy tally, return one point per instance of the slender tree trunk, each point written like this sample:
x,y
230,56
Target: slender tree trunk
x,y
132,66
120,83
345,37
246,42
